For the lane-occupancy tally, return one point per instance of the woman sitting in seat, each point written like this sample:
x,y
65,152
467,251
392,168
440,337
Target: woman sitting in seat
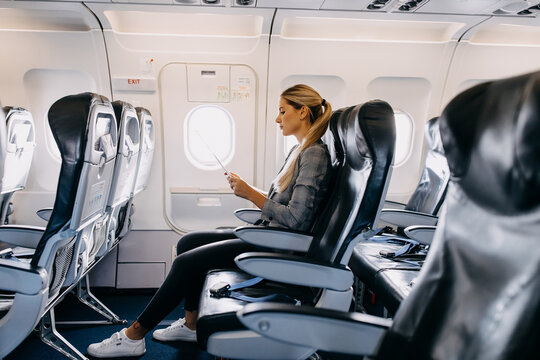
x,y
292,203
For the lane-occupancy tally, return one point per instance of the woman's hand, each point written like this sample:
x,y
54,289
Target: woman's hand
x,y
239,186
246,191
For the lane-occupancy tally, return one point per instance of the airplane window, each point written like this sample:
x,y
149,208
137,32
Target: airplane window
x,y
209,133
404,131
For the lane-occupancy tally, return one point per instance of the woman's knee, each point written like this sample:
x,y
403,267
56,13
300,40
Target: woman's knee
x,y
188,242
195,239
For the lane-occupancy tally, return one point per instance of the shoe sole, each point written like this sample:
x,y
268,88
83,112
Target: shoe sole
x,y
115,355
165,339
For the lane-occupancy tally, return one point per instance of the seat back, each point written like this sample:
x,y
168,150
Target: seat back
x,y
84,128
144,164
125,172
478,294
19,150
125,169
429,195
146,152
361,143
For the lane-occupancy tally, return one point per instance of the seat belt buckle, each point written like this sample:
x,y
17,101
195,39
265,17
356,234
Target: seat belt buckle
x,y
220,290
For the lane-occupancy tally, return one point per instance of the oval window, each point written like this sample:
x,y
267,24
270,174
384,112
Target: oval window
x,y
209,133
404,132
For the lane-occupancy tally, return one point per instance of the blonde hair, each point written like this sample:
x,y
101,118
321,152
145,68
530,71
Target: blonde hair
x,y
320,111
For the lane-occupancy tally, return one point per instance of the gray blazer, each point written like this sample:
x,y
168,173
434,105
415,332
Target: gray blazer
x,y
296,206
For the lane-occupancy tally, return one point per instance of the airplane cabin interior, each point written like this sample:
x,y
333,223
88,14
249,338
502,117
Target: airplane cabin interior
x,y
122,123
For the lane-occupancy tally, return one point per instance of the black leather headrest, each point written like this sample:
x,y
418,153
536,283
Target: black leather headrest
x,y
361,145
495,170
119,108
375,137
433,136
68,118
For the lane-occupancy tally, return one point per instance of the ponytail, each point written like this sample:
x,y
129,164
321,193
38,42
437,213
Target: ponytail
x,y
320,112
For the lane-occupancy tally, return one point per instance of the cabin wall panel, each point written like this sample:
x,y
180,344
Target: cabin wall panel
x,y
49,50
499,47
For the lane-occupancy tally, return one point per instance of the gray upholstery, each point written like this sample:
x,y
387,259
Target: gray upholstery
x,y
17,155
81,125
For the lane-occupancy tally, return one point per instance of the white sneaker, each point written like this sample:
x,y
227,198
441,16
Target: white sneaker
x,y
176,331
117,345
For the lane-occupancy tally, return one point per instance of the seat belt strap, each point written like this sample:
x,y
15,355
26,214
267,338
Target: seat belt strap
x,y
229,291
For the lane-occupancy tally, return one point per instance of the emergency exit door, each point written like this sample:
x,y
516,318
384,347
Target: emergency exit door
x,y
209,117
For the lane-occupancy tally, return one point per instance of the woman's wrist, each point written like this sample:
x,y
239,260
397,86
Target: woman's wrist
x,y
256,197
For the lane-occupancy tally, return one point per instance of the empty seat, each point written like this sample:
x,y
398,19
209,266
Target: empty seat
x,y
372,260
477,296
17,158
146,154
84,127
361,141
125,172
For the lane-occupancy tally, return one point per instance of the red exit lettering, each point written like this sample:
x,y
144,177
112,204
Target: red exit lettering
x,y
134,81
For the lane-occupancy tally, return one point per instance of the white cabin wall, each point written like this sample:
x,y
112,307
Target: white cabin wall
x,y
165,35
497,48
49,50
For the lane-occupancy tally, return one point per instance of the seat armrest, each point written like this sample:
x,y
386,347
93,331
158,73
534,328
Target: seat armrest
x,y
21,277
21,235
359,334
45,214
275,237
422,234
296,270
248,215
404,218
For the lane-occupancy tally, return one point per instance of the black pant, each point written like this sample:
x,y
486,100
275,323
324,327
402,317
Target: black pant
x,y
199,252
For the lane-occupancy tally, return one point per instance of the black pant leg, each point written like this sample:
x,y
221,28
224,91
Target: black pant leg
x,y
187,277
194,239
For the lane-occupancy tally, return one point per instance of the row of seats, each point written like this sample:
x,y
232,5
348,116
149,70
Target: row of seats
x,y
388,264
476,295
106,151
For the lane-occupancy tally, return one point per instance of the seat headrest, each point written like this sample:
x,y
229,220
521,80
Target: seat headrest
x,y
71,120
433,136
495,170
128,127
361,145
147,128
